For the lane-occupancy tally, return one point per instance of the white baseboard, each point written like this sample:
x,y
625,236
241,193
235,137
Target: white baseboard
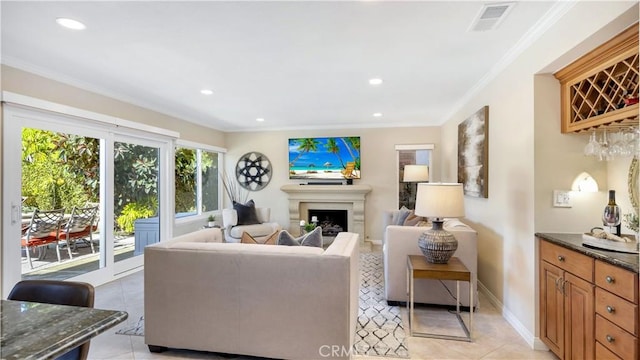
x,y
534,342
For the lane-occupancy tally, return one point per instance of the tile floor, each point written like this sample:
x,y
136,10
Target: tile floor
x,y
493,337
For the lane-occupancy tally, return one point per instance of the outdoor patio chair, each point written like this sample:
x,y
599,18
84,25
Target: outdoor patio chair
x,y
80,226
59,293
43,229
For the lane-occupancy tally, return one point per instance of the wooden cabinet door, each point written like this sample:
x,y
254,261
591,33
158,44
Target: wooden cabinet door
x,y
551,308
579,318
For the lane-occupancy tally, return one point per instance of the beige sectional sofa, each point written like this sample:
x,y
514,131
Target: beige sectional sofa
x,y
400,241
288,302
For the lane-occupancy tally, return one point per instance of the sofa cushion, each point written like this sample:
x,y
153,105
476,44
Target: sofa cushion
x,y
246,213
269,240
313,238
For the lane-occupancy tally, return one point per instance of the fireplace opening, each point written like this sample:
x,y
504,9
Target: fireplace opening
x,y
331,221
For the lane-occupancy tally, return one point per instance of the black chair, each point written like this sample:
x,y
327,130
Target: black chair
x,y
60,293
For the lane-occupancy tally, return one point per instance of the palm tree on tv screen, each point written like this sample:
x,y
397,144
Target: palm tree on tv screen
x,y
332,147
353,142
306,145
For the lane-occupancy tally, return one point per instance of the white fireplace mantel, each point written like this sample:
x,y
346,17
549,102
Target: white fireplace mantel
x,y
348,197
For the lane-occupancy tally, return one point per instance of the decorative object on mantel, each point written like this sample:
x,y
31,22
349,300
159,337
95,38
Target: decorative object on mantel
x,y
253,171
473,154
439,201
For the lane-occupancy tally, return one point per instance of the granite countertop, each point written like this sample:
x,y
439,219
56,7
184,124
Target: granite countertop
x,y
45,331
574,242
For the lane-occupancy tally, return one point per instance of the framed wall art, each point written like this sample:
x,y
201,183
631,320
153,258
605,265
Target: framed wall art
x,y
473,154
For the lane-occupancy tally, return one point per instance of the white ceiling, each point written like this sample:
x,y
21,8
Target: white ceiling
x,y
295,64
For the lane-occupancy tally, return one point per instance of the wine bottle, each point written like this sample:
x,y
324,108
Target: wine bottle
x,y
611,214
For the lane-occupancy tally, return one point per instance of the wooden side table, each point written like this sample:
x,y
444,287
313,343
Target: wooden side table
x,y
419,268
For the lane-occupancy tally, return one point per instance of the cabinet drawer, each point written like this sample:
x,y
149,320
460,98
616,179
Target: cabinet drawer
x,y
617,310
617,280
571,261
602,353
618,341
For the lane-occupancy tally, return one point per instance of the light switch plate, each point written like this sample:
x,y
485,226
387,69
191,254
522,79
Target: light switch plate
x,y
561,198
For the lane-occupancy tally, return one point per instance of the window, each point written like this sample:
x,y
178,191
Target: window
x,y
197,180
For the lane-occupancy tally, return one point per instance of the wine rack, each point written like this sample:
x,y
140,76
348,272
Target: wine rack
x,y
601,89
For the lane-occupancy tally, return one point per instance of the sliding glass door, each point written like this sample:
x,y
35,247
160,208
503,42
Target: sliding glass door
x,y
136,200
120,177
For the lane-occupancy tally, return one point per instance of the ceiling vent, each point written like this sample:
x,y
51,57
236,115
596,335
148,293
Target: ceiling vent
x,y
490,16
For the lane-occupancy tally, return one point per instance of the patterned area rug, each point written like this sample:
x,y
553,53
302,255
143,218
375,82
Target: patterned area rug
x,y
379,331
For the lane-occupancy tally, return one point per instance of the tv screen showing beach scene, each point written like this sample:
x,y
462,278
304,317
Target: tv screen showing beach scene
x,y
325,158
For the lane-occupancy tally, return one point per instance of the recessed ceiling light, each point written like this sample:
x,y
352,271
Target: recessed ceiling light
x,y
259,119
70,24
377,114
206,92
375,81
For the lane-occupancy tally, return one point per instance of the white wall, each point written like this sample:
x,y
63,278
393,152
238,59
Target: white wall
x,y
379,166
528,159
25,83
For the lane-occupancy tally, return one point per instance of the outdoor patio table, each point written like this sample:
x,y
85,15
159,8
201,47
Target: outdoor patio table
x,y
44,331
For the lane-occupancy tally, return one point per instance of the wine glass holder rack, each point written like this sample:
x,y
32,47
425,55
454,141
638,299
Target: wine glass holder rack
x,y
600,90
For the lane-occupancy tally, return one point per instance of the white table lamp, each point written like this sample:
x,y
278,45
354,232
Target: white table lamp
x,y
416,173
439,201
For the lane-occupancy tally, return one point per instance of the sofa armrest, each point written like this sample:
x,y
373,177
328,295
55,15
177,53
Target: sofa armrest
x,y
387,217
400,241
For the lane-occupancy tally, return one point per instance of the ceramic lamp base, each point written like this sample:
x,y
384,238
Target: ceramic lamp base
x,y
437,244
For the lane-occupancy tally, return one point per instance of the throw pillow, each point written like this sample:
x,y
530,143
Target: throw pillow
x,y
269,240
313,238
246,213
412,220
423,223
403,213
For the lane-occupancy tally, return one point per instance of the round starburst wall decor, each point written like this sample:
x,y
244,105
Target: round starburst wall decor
x,y
253,171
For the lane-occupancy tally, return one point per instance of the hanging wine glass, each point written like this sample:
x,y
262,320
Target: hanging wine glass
x,y
604,153
593,147
616,144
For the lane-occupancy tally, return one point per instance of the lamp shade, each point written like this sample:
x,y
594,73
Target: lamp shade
x,y
440,200
416,173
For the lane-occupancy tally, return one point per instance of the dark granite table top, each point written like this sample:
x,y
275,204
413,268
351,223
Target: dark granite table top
x,y
44,331
574,242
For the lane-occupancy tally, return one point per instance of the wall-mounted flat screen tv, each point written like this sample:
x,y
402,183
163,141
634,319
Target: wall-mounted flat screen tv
x,y
324,158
